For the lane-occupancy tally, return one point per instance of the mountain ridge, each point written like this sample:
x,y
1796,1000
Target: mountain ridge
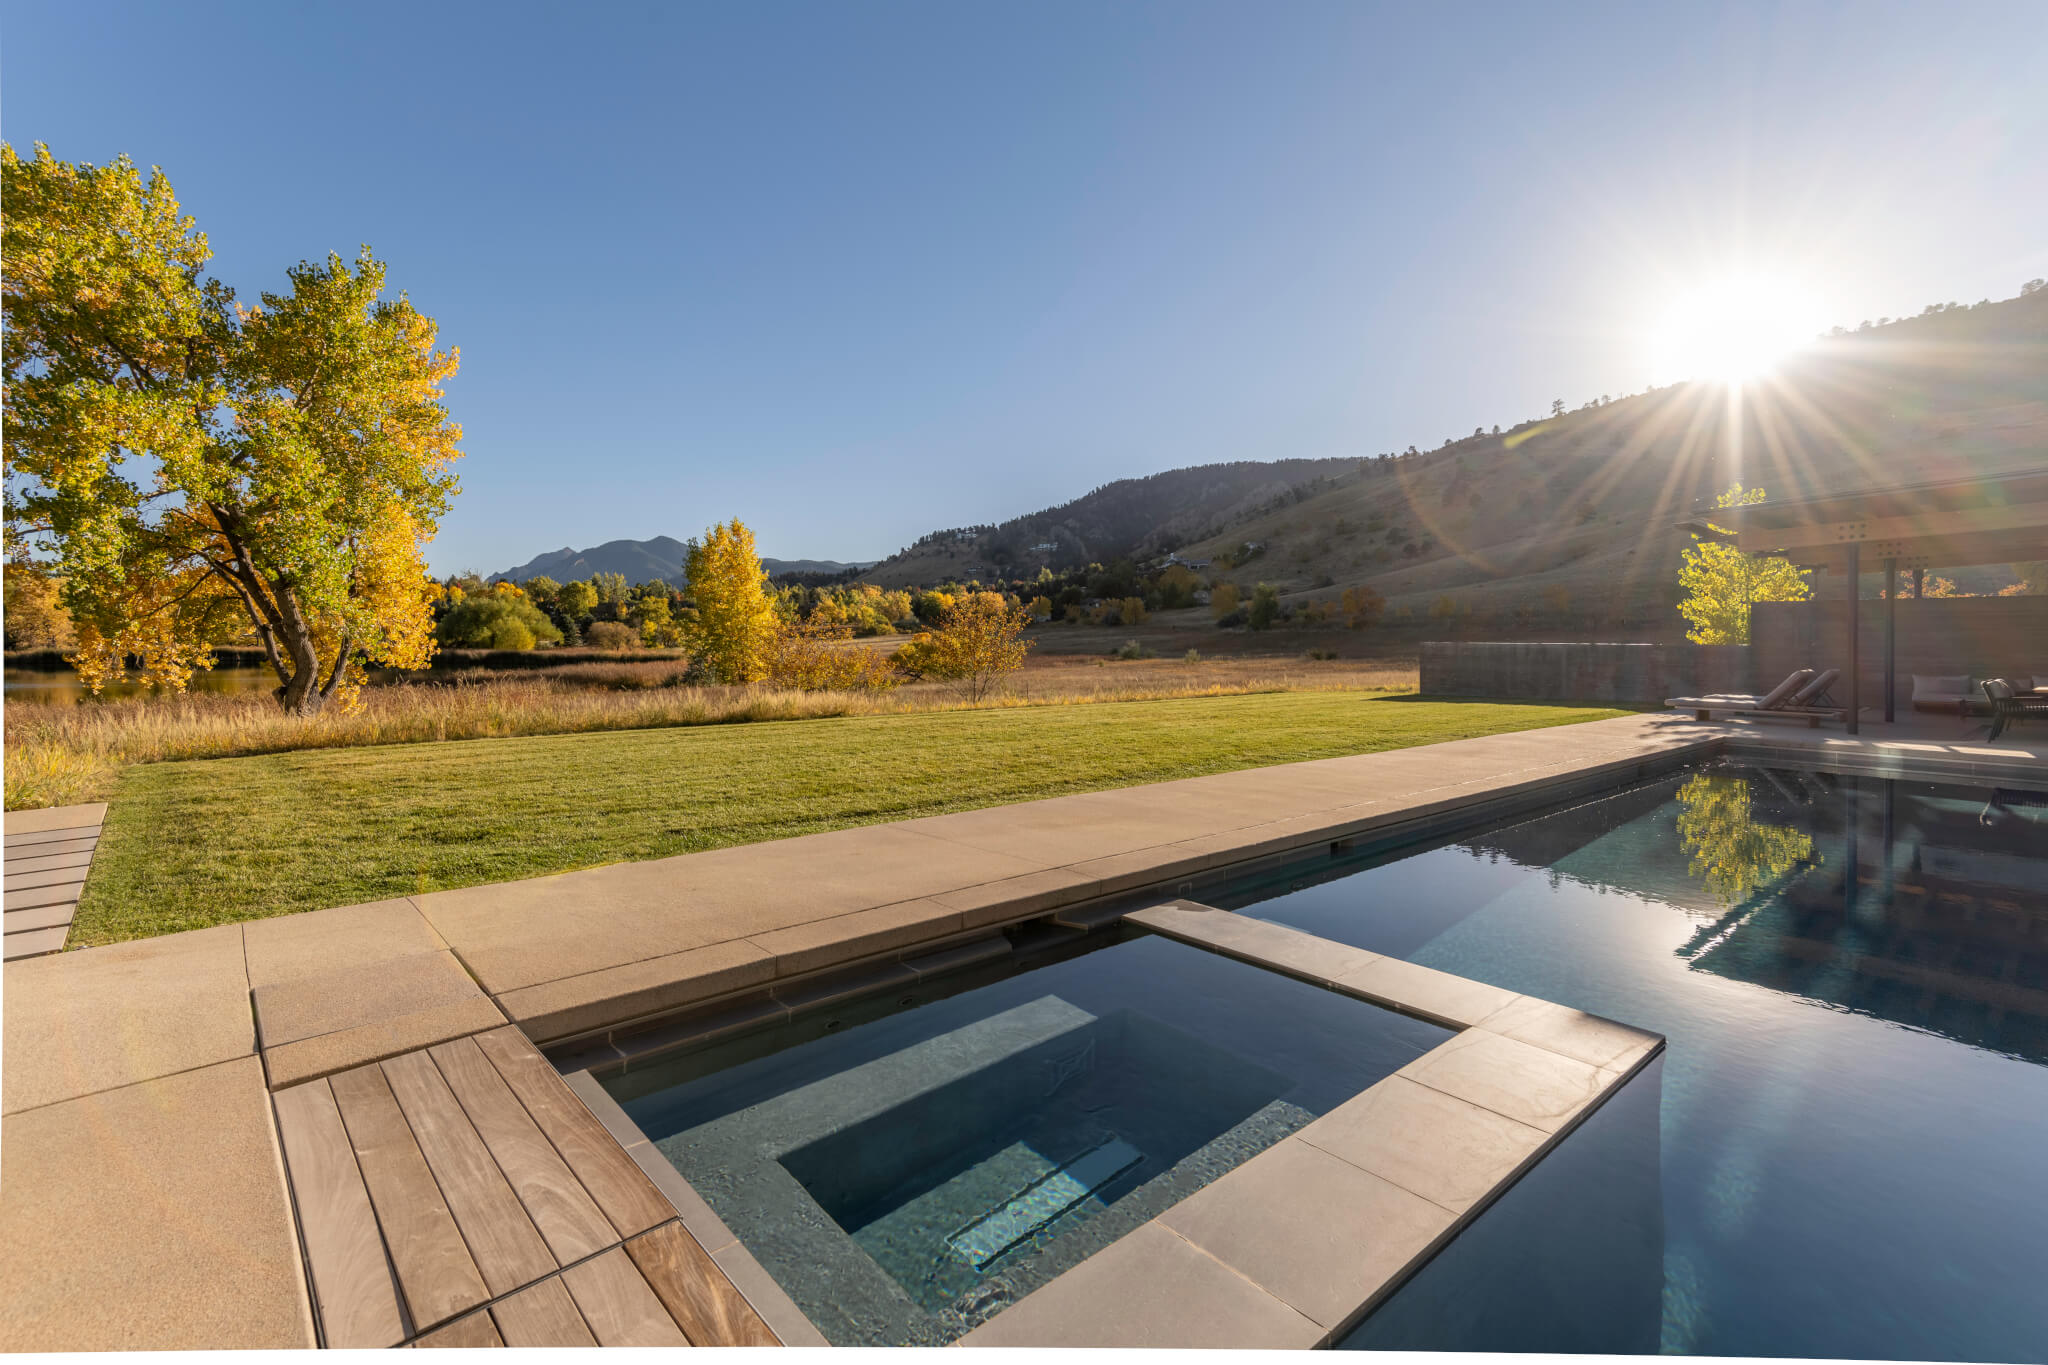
x,y
643,561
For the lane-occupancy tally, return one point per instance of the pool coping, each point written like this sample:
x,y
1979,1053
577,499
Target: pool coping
x,y
1463,1122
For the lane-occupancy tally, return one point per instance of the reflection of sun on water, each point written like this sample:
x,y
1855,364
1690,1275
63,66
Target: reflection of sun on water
x,y
1735,329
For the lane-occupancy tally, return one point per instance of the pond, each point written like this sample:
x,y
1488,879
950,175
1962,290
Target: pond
x,y
64,689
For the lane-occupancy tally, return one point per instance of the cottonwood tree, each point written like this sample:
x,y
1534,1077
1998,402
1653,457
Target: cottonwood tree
x,y
1721,583
193,468
731,622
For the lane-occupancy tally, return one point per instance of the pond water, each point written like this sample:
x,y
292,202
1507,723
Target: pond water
x,y
65,689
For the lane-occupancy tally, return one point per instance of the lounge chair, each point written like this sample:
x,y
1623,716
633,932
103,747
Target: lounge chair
x,y
1802,696
2009,704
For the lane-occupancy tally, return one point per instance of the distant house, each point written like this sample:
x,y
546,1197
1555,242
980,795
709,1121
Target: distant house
x,y
1047,547
1187,563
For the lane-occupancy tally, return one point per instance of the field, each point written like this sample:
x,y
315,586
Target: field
x,y
59,755
194,843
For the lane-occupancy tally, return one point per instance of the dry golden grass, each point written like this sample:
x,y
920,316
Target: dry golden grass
x,y
59,755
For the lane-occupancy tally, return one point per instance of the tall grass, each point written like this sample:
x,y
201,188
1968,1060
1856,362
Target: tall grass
x,y
60,755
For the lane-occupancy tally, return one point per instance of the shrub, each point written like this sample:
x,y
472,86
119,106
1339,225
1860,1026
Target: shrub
x,y
1265,607
613,636
813,656
1320,654
1223,601
975,646
1129,649
1232,621
496,622
1193,656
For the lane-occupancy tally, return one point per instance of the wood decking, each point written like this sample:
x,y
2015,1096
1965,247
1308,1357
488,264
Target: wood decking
x,y
462,1195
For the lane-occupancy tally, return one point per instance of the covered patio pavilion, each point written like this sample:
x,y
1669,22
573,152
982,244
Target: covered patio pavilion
x,y
1907,528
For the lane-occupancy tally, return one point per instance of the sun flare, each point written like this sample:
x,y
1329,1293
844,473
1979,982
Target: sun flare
x,y
1732,330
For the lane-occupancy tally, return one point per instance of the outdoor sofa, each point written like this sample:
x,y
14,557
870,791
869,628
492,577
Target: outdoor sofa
x,y
1802,696
2012,700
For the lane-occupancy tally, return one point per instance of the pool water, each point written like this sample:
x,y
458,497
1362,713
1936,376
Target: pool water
x,y
910,1173
1843,1151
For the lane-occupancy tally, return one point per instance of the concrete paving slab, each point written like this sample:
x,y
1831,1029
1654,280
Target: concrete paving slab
x,y
306,1006
1448,1150
37,942
1274,946
560,1009
65,888
524,933
49,844
1315,1232
155,1218
1522,1082
102,1018
55,817
1425,992
1574,1033
326,1053
41,917
323,942
1149,1289
54,862
821,943
1034,893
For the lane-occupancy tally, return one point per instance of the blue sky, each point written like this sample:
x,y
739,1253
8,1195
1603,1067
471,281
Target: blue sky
x,y
857,271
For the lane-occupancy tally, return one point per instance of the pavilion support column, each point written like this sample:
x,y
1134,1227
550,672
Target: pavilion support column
x,y
1891,636
1919,581
1851,574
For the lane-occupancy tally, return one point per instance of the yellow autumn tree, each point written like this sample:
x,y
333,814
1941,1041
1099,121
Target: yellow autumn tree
x,y
195,469
732,621
974,647
818,655
1721,583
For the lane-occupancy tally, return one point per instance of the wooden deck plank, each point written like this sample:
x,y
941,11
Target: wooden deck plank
x,y
544,1315
621,1189
16,849
55,862
557,1202
434,1268
695,1291
618,1305
504,1244
352,1286
475,1330
51,836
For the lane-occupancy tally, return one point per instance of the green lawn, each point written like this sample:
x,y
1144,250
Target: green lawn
x,y
192,844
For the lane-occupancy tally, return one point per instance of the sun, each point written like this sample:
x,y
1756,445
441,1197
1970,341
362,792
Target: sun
x,y
1732,330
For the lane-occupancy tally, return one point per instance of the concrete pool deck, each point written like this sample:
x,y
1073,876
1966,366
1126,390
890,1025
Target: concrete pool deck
x,y
145,1067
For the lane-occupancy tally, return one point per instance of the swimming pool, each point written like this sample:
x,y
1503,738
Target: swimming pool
x,y
1847,1148
906,1170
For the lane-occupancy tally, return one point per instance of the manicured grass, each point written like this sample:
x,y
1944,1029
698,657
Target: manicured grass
x,y
208,842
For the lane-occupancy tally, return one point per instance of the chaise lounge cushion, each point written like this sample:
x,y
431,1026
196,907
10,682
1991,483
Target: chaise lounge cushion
x,y
1942,691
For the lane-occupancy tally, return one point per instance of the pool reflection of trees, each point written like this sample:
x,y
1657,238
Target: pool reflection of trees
x,y
1930,908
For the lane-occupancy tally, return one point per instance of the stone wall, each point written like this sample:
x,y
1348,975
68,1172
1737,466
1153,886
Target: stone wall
x,y
1981,636
1634,674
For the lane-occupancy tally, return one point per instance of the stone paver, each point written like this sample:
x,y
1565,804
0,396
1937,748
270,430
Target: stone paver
x,y
1310,1229
1150,1289
323,942
55,817
77,1023
1528,1084
48,853
152,1216
1445,1149
307,1006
